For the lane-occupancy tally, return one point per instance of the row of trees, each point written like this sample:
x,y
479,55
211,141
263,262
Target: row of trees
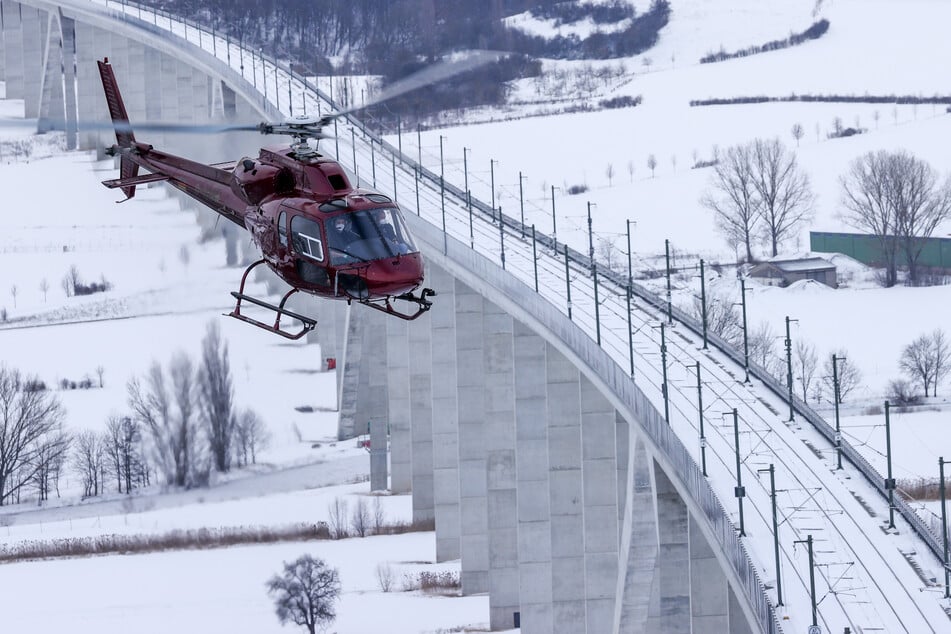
x,y
763,344
899,199
183,424
188,415
759,191
925,362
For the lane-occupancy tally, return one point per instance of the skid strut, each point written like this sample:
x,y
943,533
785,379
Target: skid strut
x,y
423,304
308,323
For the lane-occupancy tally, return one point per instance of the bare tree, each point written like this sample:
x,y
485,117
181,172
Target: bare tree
x,y
88,460
876,116
722,318
337,518
927,359
783,190
51,453
806,362
921,205
379,515
849,375
608,253
896,198
250,436
305,593
762,348
942,357
917,362
385,576
360,520
216,396
652,164
673,162
867,195
630,170
798,132
29,419
609,172
734,201
167,412
44,288
13,292
125,453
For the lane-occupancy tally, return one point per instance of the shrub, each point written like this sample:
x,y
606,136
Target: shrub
x,y
901,392
625,101
574,190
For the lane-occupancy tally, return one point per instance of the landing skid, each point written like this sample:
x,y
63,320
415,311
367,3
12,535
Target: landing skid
x,y
308,323
422,304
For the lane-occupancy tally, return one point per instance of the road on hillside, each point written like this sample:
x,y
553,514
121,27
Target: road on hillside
x,y
311,476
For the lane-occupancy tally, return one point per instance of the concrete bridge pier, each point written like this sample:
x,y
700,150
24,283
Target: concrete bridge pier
x,y
445,415
12,48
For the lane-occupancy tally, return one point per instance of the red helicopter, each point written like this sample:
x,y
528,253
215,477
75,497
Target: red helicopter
x,y
315,230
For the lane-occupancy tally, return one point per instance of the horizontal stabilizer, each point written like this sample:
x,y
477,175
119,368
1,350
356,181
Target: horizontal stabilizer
x,y
135,180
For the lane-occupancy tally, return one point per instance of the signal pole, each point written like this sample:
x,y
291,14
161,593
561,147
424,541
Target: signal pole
x,y
789,369
835,396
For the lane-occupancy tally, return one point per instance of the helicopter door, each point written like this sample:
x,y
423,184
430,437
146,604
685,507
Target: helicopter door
x,y
308,246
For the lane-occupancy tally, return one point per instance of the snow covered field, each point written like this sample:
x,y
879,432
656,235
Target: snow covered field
x,y
160,303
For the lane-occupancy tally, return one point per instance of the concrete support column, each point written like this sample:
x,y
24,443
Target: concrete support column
x,y
353,368
167,80
152,84
134,92
51,113
599,470
566,493
421,416
33,22
470,378
184,92
673,558
228,102
445,416
68,26
499,360
91,44
398,396
12,49
709,590
375,359
534,505
3,72
641,594
378,454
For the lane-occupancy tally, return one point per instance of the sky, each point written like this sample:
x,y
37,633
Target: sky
x,y
156,292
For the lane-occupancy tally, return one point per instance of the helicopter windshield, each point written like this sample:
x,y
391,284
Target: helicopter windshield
x,y
368,235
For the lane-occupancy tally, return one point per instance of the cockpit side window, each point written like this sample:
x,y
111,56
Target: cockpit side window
x,y
282,228
306,237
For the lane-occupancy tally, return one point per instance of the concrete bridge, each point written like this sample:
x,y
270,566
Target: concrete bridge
x,y
528,429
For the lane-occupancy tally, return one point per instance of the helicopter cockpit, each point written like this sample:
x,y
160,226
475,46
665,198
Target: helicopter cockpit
x,y
369,234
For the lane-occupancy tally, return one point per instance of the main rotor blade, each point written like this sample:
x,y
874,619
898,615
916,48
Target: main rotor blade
x,y
454,65
145,126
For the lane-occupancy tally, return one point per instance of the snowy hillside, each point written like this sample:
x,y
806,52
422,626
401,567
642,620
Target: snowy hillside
x,y
860,54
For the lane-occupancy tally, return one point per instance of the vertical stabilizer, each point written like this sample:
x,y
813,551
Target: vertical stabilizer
x,y
120,119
